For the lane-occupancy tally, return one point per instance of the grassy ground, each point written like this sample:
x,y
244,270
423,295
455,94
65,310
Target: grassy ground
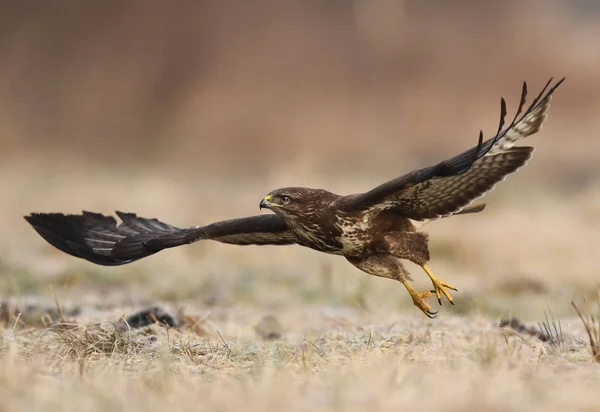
x,y
271,329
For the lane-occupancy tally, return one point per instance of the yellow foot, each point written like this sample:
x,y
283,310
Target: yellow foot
x,y
439,287
419,300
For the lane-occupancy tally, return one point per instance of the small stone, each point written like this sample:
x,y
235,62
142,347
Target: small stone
x,y
150,316
268,328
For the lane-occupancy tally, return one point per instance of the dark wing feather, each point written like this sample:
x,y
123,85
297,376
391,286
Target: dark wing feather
x,y
447,187
100,240
439,197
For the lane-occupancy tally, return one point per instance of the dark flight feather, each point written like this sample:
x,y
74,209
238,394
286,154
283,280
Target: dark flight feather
x,y
411,195
99,239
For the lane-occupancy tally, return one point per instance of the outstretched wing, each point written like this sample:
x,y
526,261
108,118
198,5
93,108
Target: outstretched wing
x,y
446,188
97,238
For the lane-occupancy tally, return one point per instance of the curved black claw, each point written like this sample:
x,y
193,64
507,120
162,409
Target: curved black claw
x,y
431,314
442,288
439,299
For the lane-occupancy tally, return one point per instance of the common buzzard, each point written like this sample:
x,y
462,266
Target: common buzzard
x,y
374,231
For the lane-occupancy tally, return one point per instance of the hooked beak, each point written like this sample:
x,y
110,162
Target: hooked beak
x,y
265,203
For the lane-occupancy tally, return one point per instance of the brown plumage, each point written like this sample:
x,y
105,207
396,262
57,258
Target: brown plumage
x,y
374,230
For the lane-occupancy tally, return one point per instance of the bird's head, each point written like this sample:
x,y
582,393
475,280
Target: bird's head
x,y
293,201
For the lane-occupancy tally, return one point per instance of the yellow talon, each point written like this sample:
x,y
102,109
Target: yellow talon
x,y
439,286
418,300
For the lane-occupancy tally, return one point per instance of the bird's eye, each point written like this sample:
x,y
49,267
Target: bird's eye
x,y
285,199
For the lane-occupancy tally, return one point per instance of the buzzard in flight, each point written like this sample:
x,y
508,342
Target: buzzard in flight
x,y
374,230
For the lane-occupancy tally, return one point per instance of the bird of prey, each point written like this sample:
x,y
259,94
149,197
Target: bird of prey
x,y
374,230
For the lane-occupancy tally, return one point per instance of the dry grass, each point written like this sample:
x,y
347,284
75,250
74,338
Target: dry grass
x,y
592,326
458,363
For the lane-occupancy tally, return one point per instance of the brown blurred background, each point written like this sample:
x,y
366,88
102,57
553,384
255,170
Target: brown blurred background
x,y
191,111
254,87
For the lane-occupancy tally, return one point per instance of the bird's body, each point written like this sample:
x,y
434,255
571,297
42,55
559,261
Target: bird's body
x,y
374,230
352,234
